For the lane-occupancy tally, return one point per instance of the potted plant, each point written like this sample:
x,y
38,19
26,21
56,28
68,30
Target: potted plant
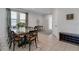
x,y
20,25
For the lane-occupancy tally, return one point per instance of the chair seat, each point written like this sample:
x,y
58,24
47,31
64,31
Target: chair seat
x,y
32,38
17,38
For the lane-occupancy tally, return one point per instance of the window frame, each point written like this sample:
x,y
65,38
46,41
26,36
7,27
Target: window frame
x,y
18,17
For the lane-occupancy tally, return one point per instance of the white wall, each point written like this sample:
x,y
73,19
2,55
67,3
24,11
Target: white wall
x,y
55,23
33,19
3,31
70,26
45,22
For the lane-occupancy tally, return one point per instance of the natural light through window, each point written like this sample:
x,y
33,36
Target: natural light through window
x,y
13,21
22,17
18,20
50,21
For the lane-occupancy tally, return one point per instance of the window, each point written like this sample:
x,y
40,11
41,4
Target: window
x,y
13,15
50,21
22,17
22,20
13,21
18,18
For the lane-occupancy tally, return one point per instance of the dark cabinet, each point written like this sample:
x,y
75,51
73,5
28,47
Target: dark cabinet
x,y
69,37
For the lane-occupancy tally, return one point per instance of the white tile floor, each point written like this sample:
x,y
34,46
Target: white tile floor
x,y
50,43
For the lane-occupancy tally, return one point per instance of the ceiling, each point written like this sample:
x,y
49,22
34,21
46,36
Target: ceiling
x,y
40,10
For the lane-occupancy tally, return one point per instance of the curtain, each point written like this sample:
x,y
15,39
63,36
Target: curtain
x,y
8,20
26,21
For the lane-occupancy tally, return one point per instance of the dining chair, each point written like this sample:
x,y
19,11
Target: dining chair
x,y
32,37
27,38
12,40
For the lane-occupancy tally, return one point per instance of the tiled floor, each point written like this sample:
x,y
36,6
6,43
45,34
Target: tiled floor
x,y
50,43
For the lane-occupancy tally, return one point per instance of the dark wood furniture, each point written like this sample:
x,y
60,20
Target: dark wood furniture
x,y
39,28
69,37
30,36
12,40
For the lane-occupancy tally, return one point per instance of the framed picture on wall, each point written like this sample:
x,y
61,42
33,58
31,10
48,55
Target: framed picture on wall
x,y
70,16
